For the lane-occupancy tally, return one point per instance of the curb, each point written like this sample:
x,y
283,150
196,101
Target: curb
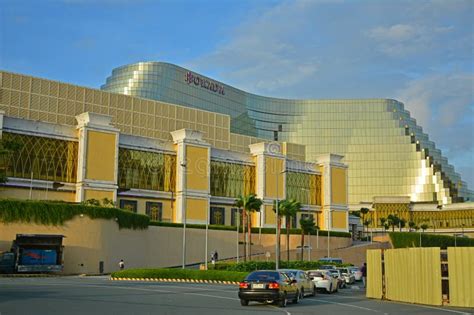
x,y
29,275
175,280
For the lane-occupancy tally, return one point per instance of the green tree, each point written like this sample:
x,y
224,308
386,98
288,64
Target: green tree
x,y
249,203
364,211
393,220
402,223
386,227
287,208
412,225
366,224
382,221
307,226
424,226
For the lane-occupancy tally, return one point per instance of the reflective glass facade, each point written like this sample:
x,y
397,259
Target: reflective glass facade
x,y
41,158
387,152
146,170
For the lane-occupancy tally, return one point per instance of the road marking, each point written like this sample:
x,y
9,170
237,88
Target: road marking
x,y
348,305
144,289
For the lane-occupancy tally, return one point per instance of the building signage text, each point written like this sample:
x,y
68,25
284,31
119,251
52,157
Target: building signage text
x,y
191,78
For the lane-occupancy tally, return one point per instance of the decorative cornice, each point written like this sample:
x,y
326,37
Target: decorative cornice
x,y
95,121
267,148
188,136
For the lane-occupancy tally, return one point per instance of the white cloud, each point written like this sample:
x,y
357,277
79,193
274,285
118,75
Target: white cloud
x,y
444,106
403,39
417,51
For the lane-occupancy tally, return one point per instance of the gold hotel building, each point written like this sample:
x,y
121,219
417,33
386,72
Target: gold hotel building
x,y
205,143
155,158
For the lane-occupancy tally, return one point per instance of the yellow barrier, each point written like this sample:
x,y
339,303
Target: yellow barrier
x,y
413,275
374,274
461,276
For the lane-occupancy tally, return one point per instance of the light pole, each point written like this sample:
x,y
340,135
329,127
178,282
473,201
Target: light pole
x,y
329,228
207,237
277,229
183,165
237,216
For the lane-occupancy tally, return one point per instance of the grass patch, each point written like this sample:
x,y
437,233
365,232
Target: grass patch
x,y
171,273
56,213
410,239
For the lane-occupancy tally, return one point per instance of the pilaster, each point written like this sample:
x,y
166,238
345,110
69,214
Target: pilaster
x,y
193,156
97,157
270,164
335,208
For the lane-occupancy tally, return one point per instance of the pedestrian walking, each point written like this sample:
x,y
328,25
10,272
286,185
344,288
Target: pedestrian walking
x,y
213,258
364,274
121,264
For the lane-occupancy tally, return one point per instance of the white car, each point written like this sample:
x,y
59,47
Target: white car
x,y
356,272
347,275
336,273
323,280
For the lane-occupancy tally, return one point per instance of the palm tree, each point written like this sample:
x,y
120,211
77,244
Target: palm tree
x,y
307,226
424,226
401,223
367,223
393,220
412,225
249,203
364,211
288,209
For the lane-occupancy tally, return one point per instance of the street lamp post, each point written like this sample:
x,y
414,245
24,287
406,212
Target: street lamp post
x,y
184,216
237,216
207,237
329,235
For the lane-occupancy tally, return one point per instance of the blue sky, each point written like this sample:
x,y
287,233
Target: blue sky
x,y
418,52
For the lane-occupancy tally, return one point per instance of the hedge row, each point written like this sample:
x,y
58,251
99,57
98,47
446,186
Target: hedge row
x,y
168,273
56,213
407,239
254,229
270,265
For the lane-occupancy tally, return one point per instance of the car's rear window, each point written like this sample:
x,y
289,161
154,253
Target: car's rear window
x,y
263,276
315,274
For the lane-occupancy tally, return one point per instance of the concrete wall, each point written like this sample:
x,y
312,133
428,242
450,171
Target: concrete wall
x,y
88,242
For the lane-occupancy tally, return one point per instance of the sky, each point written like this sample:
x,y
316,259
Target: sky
x,y
418,52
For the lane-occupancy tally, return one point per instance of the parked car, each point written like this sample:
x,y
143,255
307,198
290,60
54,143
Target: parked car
x,y
356,272
305,285
347,275
323,280
336,273
268,286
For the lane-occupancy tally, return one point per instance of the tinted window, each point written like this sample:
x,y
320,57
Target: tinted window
x,y
285,277
315,274
263,276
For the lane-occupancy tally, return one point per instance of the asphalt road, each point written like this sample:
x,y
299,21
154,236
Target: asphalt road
x,y
98,295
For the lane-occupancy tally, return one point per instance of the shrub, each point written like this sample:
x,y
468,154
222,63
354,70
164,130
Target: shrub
x,y
171,273
270,265
56,213
254,229
410,239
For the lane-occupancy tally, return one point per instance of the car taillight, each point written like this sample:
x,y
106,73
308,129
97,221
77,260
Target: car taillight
x,y
274,285
243,285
